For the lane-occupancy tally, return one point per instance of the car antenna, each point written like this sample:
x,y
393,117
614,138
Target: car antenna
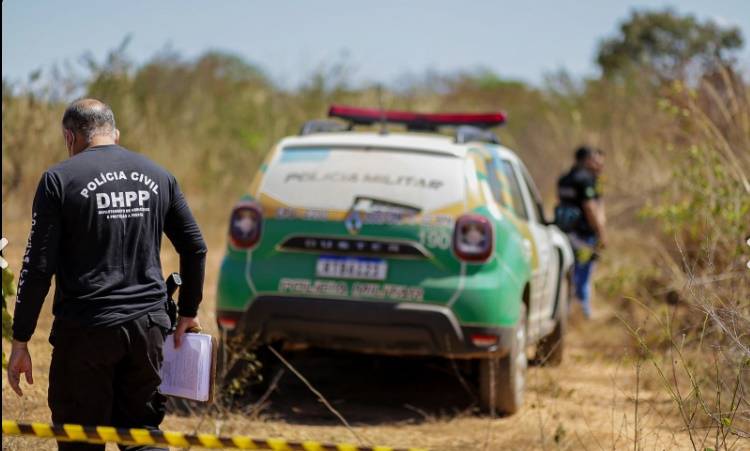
x,y
383,122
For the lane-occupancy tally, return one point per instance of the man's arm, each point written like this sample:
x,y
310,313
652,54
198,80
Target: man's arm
x,y
40,257
593,207
184,233
594,212
39,264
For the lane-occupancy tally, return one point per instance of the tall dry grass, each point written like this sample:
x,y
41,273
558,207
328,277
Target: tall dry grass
x,y
676,184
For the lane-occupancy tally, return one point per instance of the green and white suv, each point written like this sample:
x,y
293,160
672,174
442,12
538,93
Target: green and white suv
x,y
399,243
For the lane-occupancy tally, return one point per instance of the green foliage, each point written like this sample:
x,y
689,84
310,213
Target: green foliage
x,y
704,203
708,200
667,44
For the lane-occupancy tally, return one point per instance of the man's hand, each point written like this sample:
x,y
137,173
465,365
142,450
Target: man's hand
x,y
601,242
185,324
19,362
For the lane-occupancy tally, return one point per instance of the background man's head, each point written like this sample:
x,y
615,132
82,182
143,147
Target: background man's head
x,y
590,158
88,122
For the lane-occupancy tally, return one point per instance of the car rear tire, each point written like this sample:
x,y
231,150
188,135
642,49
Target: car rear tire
x,y
502,380
551,349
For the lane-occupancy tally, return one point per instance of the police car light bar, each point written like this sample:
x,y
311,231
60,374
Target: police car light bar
x,y
415,121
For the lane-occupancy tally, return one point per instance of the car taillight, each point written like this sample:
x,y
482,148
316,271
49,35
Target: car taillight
x,y
245,225
227,323
484,340
472,238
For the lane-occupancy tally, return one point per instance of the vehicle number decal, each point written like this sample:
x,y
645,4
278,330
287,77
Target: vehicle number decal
x,y
435,237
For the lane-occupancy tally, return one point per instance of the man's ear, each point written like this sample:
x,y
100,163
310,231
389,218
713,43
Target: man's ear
x,y
70,139
117,136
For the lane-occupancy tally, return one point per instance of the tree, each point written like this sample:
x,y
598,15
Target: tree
x,y
668,45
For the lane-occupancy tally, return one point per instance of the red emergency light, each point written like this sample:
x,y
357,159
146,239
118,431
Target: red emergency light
x,y
415,121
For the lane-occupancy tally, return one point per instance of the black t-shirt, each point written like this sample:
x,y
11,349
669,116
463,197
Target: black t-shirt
x,y
97,223
573,189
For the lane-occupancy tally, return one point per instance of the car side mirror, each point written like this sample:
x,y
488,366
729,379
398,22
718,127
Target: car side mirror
x,y
543,217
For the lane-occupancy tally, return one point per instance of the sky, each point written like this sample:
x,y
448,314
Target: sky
x,y
381,41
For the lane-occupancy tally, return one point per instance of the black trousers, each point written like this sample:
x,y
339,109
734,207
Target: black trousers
x,y
108,376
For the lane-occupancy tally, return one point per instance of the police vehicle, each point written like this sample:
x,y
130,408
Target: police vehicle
x,y
413,243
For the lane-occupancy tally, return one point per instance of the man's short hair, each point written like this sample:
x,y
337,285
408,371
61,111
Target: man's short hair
x,y
89,117
583,153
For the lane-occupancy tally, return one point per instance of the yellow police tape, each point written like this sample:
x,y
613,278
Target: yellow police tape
x,y
103,434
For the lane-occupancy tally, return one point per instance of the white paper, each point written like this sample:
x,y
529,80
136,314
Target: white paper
x,y
186,371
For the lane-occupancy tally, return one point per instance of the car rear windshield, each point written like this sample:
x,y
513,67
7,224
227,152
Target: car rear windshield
x,y
337,178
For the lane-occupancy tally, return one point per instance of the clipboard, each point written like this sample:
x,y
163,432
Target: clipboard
x,y
189,372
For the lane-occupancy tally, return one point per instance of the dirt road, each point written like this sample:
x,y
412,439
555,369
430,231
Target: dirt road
x,y
586,403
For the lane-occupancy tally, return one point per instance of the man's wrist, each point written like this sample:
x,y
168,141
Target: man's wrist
x,y
187,312
17,344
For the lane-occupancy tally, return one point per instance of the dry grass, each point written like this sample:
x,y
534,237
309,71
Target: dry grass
x,y
587,403
665,365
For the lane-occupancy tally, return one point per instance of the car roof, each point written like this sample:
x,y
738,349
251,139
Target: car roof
x,y
417,142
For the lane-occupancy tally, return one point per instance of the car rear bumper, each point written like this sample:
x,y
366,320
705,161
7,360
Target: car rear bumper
x,y
365,326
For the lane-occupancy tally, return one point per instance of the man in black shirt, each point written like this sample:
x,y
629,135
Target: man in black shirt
x,y
97,223
580,214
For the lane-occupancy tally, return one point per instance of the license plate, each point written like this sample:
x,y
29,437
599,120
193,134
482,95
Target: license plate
x,y
352,268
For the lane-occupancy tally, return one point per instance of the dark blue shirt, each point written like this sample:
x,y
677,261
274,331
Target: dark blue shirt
x,y
574,188
97,224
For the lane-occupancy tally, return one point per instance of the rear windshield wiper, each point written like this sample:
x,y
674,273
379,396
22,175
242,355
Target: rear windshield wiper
x,y
366,204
